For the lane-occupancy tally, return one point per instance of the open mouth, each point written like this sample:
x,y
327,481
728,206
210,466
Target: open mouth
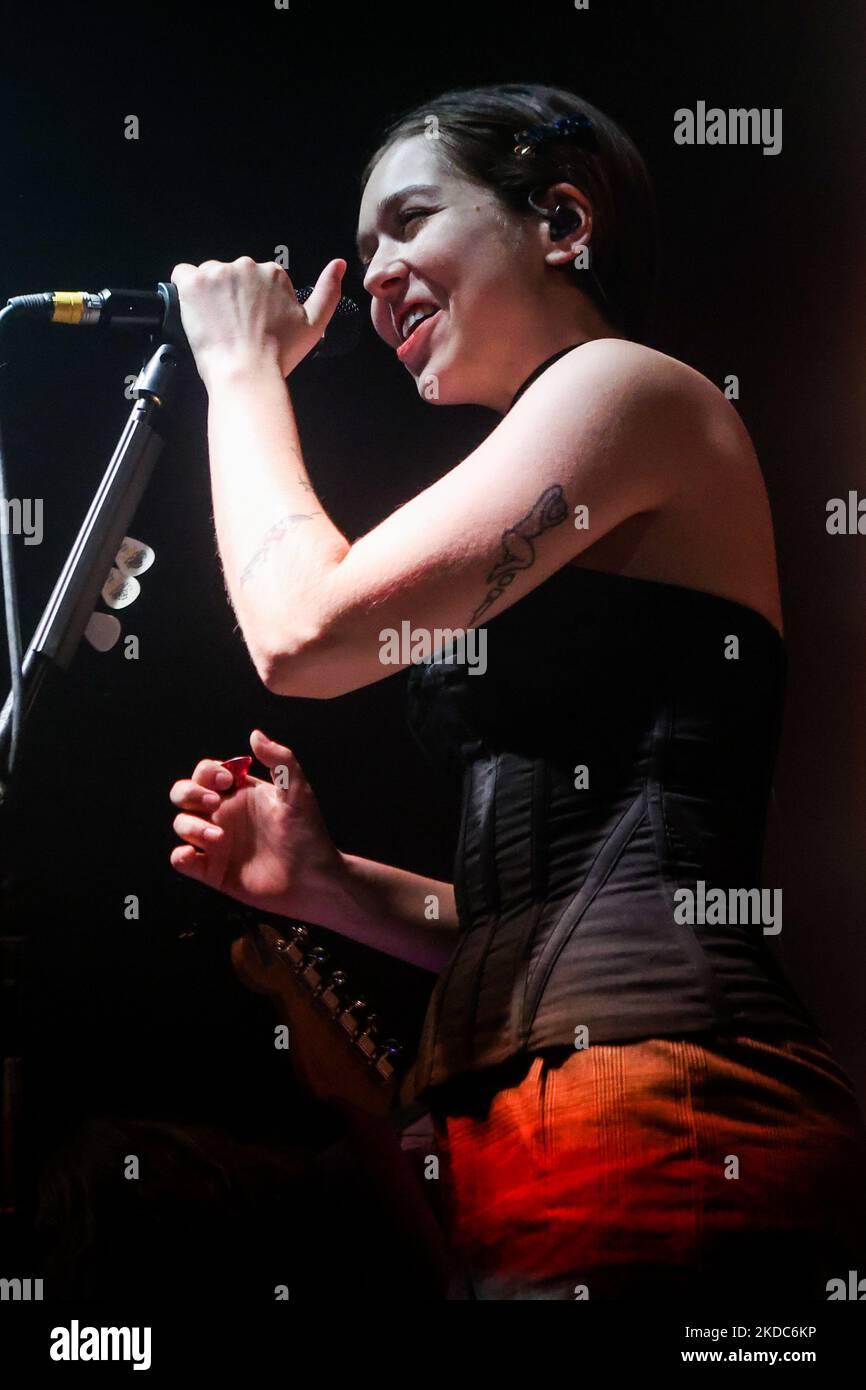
x,y
418,336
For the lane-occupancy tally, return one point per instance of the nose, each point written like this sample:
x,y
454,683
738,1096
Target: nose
x,y
384,281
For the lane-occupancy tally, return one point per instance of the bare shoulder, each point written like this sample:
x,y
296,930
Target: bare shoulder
x,y
714,532
628,363
669,419
685,405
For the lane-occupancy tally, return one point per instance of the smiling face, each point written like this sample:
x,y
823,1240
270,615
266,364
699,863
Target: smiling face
x,y
436,240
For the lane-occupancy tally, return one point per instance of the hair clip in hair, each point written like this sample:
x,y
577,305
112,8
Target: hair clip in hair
x,y
566,127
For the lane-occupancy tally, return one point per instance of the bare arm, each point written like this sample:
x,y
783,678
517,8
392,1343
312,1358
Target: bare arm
x,y
266,844
403,914
604,433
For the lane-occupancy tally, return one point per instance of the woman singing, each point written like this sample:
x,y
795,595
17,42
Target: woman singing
x,y
629,1099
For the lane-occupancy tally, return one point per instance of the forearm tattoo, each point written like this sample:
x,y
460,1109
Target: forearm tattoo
x,y
518,552
274,534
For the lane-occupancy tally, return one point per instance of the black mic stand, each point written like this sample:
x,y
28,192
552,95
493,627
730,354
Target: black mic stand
x,y
53,646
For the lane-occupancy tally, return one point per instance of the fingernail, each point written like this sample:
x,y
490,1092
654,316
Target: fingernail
x,y
224,778
211,799
213,832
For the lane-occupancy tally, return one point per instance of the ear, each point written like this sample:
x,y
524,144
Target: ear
x,y
566,247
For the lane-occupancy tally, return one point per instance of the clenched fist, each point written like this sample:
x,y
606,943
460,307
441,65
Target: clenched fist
x,y
245,311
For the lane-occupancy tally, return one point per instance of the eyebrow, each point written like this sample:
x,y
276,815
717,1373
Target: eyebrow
x,y
388,204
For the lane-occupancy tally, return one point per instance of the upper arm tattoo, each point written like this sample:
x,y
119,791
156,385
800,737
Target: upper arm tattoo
x,y
274,534
518,552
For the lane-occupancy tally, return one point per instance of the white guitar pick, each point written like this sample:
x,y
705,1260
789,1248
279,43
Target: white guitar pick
x,y
120,590
102,631
134,557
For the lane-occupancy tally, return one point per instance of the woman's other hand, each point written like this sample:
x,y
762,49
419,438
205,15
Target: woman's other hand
x,y
264,842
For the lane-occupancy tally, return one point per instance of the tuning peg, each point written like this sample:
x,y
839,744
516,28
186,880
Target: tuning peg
x,y
313,971
366,1039
384,1063
291,947
349,1019
330,995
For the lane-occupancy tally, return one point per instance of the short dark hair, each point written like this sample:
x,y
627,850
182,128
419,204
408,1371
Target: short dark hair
x,y
476,127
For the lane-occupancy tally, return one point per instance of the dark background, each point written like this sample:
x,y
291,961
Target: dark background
x,y
254,126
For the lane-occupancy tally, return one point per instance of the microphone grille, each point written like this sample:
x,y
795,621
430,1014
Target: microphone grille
x,y
344,329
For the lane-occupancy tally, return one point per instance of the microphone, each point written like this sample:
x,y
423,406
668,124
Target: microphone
x,y
158,311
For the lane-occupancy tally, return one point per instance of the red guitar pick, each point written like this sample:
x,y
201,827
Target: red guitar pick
x,y
239,767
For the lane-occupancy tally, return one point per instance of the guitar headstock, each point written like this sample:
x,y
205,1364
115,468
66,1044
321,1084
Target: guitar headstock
x,y
336,1045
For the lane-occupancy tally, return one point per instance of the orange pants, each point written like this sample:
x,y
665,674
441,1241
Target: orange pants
x,y
671,1167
